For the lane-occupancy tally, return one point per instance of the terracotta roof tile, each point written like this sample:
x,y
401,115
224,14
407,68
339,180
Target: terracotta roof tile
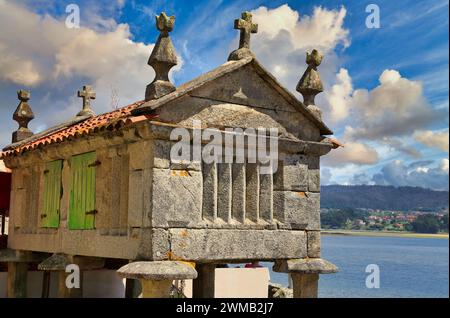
x,y
111,120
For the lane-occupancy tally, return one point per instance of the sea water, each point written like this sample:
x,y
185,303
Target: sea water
x,y
408,267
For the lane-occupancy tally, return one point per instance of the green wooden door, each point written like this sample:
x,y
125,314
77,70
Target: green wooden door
x,y
52,194
82,193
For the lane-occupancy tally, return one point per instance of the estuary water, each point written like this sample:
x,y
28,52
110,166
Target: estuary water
x,y
409,267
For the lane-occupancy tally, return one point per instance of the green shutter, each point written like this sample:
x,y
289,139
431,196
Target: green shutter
x,y
52,194
82,193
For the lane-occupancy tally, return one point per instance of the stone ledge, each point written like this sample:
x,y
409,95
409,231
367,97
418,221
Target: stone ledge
x,y
59,262
16,256
159,270
305,266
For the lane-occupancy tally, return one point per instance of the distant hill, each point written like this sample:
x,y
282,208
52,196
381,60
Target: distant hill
x,y
383,197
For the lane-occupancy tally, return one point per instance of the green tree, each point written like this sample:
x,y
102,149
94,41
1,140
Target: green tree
x,y
444,223
426,223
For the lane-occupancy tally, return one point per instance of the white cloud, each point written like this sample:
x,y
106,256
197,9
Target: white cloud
x,y
339,97
394,108
53,58
323,30
396,173
352,153
16,69
284,37
433,139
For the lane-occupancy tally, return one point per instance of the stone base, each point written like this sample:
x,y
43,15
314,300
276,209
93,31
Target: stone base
x,y
158,89
20,135
157,277
305,274
240,54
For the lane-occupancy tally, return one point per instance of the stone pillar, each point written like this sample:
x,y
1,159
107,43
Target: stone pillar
x,y
305,285
157,277
203,286
60,262
305,274
132,288
18,262
17,280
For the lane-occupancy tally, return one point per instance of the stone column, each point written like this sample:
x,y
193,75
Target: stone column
x,y
157,277
203,286
17,280
305,274
18,262
60,262
305,285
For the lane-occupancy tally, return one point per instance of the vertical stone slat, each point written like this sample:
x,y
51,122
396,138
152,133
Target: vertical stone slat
x,y
266,197
124,194
209,205
252,192
238,191
103,202
31,213
115,191
224,191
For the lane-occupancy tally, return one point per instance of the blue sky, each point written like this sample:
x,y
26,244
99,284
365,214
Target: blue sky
x,y
386,89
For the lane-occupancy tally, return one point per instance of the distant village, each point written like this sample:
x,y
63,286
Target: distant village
x,y
383,220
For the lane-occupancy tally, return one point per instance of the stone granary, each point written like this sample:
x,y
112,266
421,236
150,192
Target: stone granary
x,y
102,188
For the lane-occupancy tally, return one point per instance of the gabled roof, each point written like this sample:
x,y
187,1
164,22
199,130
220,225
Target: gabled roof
x,y
222,70
141,110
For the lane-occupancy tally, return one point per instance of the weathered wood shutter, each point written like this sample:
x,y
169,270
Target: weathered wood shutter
x,y
52,195
82,194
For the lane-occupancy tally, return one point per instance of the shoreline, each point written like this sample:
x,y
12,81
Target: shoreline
x,y
384,234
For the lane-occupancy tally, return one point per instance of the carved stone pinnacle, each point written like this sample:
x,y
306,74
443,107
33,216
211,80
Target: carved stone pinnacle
x,y
162,59
310,84
23,115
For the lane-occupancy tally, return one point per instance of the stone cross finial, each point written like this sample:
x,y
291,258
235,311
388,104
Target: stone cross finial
x,y
86,94
310,84
162,59
247,27
23,115
165,23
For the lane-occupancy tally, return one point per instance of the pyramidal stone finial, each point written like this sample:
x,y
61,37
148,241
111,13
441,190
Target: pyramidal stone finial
x,y
247,27
162,59
23,115
310,84
86,94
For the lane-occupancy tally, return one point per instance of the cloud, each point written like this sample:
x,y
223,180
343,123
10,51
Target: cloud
x,y
396,173
325,176
56,61
360,179
284,37
16,69
433,139
397,107
352,153
339,97
49,52
323,30
401,146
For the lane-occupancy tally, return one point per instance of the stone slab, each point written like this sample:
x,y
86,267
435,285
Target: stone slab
x,y
177,198
216,245
299,210
305,266
159,270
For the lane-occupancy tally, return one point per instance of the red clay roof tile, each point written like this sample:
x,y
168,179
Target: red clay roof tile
x,y
111,120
